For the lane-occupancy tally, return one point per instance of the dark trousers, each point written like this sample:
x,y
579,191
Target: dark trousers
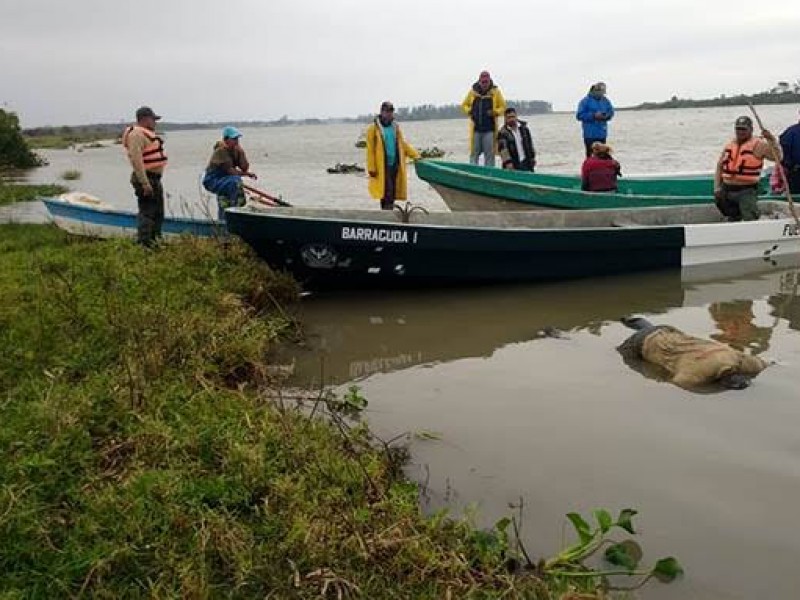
x,y
793,177
151,209
389,188
739,203
588,143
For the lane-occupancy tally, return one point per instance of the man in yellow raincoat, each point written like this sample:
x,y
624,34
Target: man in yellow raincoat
x,y
387,151
483,104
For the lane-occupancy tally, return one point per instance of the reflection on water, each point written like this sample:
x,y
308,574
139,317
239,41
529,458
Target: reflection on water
x,y
351,336
560,421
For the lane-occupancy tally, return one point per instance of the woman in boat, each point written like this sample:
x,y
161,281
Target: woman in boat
x,y
600,171
225,170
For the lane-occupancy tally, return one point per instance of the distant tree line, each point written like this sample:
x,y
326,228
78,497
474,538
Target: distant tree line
x,y
783,92
430,112
423,112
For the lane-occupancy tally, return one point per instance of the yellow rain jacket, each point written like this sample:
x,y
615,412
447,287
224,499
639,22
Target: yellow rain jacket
x,y
498,106
376,161
694,361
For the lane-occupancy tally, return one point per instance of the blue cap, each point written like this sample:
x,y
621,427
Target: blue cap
x,y
231,132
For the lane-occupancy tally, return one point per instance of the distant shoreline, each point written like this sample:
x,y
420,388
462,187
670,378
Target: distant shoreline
x,y
762,98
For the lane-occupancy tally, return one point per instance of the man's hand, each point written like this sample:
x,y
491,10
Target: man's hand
x,y
718,195
508,167
373,174
251,175
768,135
147,189
599,116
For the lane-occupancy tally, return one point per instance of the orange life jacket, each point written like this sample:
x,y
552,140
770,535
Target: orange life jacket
x,y
153,154
740,166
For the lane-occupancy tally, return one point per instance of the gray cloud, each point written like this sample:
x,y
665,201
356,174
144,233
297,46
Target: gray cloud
x,y
96,60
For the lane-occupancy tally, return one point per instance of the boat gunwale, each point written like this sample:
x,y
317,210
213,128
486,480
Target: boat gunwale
x,y
443,166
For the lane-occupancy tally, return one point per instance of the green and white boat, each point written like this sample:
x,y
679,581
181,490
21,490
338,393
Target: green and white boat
x,y
472,187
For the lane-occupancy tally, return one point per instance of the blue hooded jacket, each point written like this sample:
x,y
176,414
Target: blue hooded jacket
x,y
593,129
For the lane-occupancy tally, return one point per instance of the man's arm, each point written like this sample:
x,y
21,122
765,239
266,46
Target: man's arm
x,y
136,144
505,155
372,163
583,113
610,113
768,147
466,105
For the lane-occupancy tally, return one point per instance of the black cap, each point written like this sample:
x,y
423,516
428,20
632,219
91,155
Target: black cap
x,y
146,111
387,106
743,122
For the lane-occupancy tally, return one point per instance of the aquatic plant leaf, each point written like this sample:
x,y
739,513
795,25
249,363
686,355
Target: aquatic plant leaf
x,y
667,570
581,527
626,554
604,519
625,519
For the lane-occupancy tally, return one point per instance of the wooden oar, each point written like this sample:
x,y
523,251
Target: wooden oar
x,y
275,201
777,152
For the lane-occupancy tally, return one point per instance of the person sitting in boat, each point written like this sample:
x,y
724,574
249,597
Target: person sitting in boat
x,y
600,171
739,171
515,144
691,362
225,170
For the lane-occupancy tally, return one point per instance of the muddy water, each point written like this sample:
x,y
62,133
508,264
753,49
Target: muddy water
x,y
565,424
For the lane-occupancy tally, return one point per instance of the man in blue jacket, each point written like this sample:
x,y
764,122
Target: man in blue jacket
x,y
790,143
594,112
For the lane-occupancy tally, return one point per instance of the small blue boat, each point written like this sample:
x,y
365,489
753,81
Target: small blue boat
x,y
82,214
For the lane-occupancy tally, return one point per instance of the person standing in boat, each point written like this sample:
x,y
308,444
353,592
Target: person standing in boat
x,y
600,171
387,150
594,112
483,104
738,171
225,170
790,144
146,154
515,143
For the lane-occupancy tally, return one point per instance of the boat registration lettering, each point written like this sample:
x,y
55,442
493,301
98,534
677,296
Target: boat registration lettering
x,y
791,230
371,234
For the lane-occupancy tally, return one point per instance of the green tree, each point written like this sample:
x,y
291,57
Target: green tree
x,y
14,151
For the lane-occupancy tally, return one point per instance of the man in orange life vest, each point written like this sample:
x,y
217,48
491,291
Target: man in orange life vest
x,y
146,154
739,171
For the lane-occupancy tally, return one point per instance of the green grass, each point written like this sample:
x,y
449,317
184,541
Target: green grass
x,y
25,193
147,453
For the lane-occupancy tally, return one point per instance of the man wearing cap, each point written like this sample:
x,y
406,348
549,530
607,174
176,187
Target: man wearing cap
x,y
148,160
739,171
225,170
387,151
594,112
483,104
790,144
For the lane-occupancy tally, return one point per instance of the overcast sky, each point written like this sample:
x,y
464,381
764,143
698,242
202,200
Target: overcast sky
x,y
84,61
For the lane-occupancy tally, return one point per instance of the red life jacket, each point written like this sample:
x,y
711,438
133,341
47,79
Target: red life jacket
x,y
153,154
600,174
740,166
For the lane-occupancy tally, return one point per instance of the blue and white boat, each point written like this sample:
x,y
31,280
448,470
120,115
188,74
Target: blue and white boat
x,y
82,214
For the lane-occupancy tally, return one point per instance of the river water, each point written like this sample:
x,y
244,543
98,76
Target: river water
x,y
561,422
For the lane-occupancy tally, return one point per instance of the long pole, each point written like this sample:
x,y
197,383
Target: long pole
x,y
777,152
258,192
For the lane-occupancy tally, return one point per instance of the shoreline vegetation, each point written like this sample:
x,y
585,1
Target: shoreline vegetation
x,y
151,447
12,193
783,93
